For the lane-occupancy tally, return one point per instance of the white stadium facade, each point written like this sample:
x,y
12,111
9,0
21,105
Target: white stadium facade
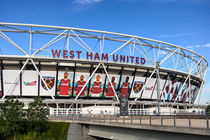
x,y
80,71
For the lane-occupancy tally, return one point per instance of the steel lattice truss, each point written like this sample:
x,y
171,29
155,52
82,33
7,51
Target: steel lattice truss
x,y
36,41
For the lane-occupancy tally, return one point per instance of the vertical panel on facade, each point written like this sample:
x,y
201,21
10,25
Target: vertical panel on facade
x,y
166,90
49,77
138,83
184,93
1,92
126,82
9,77
80,81
64,79
154,95
114,76
108,88
171,90
176,88
148,89
82,75
29,83
195,91
0,88
97,83
65,83
137,87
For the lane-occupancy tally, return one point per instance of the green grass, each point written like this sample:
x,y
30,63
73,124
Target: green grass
x,y
56,131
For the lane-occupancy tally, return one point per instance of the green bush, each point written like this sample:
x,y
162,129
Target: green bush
x,y
56,131
208,109
37,115
12,116
31,124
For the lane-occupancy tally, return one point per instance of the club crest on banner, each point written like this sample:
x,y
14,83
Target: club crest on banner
x,y
137,86
50,82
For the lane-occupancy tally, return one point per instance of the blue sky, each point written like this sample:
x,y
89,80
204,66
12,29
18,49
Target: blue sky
x,y
182,22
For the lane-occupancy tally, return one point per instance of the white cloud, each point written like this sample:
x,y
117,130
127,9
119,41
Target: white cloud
x,y
85,2
163,52
81,5
178,35
164,1
153,1
207,45
130,0
168,1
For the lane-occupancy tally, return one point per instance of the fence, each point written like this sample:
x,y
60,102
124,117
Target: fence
x,y
74,111
188,121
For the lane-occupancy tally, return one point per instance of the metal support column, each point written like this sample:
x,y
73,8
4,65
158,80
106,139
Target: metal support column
x,y
158,87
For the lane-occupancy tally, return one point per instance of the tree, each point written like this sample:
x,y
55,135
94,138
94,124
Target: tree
x,y
208,109
12,114
37,115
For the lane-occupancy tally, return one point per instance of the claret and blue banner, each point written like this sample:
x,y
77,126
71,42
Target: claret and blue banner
x,y
69,84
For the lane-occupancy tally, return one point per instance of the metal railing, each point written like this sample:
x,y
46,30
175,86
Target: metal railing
x,y
133,112
187,121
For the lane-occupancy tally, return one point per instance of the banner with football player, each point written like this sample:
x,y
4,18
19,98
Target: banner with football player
x,y
65,81
49,77
137,87
96,87
80,81
29,83
109,92
9,77
148,89
125,85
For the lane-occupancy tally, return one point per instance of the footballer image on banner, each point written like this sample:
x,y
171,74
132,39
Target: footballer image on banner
x,y
109,92
96,88
125,85
80,81
64,86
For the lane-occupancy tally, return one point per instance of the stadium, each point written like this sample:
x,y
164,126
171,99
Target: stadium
x,y
83,71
